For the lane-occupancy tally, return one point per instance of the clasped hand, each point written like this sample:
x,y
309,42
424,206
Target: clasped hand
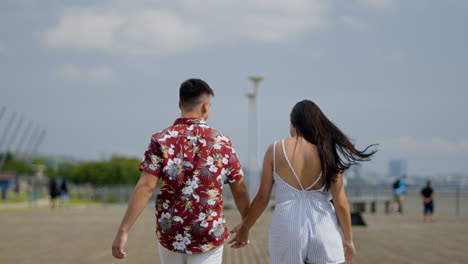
x,y
241,238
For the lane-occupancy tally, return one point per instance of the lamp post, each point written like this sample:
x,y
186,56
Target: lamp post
x,y
253,177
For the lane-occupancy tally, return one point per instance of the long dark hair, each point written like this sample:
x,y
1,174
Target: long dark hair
x,y
336,151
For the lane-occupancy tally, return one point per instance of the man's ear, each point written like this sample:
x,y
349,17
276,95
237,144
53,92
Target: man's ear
x,y
180,106
204,107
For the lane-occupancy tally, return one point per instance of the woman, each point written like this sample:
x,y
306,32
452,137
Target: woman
x,y
64,192
306,170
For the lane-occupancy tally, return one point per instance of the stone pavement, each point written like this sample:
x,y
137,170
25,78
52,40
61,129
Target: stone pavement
x,y
85,235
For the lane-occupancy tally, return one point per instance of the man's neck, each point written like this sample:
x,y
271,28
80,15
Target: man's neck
x,y
191,115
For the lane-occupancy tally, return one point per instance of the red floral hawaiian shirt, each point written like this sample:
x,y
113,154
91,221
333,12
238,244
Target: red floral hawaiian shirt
x,y
193,162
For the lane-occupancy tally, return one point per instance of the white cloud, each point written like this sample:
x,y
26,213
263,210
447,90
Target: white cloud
x,y
72,72
425,145
115,31
143,28
354,23
84,29
383,5
261,20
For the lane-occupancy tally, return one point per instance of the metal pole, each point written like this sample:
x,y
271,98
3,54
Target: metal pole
x,y
24,138
121,196
13,137
254,177
252,156
2,112
457,201
9,142
88,194
36,146
7,131
35,133
105,194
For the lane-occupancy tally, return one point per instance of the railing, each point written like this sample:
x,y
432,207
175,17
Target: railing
x,y
450,200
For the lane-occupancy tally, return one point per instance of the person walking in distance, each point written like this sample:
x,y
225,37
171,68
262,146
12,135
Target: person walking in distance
x,y
399,192
64,193
53,193
427,195
306,170
193,162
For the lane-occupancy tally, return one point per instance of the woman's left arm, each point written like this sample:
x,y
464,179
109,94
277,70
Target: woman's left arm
x,y
344,216
259,203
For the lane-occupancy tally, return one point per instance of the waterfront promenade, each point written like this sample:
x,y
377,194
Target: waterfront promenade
x,y
84,235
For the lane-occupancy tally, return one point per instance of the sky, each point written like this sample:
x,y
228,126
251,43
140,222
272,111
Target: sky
x,y
102,76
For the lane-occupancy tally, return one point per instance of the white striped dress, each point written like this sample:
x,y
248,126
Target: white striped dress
x,y
304,228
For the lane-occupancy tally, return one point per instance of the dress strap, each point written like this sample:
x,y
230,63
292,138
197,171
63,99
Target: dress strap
x,y
315,182
274,156
289,163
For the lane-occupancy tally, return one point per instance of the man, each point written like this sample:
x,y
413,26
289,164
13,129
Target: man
x,y
398,194
427,194
193,161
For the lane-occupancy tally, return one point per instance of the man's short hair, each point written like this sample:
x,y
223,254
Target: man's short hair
x,y
192,91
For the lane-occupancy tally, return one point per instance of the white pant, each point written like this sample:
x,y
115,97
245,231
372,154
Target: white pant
x,y
214,256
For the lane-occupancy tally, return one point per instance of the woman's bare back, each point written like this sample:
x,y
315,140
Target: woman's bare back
x,y
305,161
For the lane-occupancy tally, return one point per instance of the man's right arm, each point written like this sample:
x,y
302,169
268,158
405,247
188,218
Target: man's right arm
x,y
142,193
151,170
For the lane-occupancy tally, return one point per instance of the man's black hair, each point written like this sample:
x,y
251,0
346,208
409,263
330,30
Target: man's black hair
x,y
191,92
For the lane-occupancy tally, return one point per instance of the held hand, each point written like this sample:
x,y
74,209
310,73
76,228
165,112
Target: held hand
x,y
236,228
349,249
241,239
119,244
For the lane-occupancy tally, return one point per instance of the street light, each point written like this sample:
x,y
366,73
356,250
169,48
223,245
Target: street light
x,y
253,177
256,80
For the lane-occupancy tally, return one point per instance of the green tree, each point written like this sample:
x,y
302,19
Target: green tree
x,y
16,165
117,170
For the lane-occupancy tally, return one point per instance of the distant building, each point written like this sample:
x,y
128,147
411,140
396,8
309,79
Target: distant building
x,y
397,168
352,176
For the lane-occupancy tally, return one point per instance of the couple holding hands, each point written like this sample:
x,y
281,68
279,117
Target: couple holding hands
x,y
193,161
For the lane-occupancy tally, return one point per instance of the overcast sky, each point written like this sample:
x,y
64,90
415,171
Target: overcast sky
x,y
103,76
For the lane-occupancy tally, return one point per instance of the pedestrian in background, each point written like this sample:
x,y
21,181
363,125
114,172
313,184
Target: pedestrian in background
x,y
53,193
399,191
64,193
427,195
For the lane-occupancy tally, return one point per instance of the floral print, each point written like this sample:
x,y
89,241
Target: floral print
x,y
193,162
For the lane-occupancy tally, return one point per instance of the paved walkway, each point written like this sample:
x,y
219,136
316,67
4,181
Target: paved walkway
x,y
40,203
84,235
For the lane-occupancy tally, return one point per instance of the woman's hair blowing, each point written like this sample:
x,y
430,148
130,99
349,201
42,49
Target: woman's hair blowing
x,y
336,151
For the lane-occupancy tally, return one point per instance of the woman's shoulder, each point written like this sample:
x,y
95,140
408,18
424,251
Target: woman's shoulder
x,y
271,147
274,144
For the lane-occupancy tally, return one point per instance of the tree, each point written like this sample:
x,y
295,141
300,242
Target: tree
x,y
16,166
117,170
